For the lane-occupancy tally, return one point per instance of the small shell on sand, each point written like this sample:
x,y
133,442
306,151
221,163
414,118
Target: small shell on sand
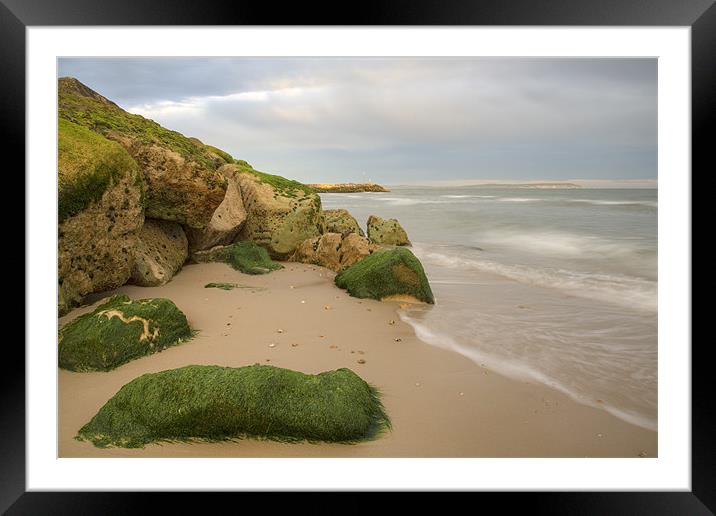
x,y
279,330
361,361
272,345
303,301
294,345
391,322
462,394
398,340
417,384
333,346
327,307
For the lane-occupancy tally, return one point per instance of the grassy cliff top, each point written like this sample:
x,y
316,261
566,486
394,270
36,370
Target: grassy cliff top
x,y
88,164
84,106
223,403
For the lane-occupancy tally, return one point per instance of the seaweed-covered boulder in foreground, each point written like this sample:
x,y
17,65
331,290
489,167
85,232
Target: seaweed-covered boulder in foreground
x,y
220,403
100,205
244,256
341,221
386,231
160,253
280,213
387,273
121,330
333,250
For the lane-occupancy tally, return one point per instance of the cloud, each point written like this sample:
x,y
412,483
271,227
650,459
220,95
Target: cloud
x,y
330,119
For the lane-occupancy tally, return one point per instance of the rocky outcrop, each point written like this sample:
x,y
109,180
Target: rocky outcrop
x,y
386,231
100,214
280,213
387,274
341,221
334,251
225,223
348,187
181,175
160,252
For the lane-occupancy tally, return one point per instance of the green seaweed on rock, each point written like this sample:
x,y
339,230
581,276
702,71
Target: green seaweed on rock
x,y
213,403
121,330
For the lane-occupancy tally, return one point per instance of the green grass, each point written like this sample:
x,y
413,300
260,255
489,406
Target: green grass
x,y
88,164
223,154
102,340
81,105
249,257
387,272
213,403
285,187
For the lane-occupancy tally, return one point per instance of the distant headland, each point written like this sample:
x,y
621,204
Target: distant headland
x,y
348,187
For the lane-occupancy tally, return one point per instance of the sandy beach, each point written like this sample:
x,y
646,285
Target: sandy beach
x,y
441,403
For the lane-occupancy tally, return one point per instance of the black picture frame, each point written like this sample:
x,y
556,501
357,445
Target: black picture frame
x,y
16,15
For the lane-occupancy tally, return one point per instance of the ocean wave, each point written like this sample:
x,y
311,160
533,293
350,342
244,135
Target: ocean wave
x,y
600,202
622,290
519,199
560,244
518,370
469,196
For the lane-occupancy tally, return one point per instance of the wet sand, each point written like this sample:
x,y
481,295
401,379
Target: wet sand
x,y
441,403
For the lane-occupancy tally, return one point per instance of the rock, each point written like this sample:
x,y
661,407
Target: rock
x,y
341,221
200,402
181,176
386,231
100,213
245,256
161,251
387,274
225,223
348,187
280,213
334,251
120,330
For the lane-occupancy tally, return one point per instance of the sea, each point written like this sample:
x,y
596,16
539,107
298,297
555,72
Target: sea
x,y
556,286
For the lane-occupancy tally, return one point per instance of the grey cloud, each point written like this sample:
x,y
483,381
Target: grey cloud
x,y
330,119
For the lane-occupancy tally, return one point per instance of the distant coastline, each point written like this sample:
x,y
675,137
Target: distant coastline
x,y
347,187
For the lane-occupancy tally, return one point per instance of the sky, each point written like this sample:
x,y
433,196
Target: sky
x,y
401,120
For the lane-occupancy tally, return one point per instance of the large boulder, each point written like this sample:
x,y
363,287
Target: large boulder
x,y
387,274
100,193
209,402
280,213
341,221
225,223
386,231
161,251
183,184
120,330
334,251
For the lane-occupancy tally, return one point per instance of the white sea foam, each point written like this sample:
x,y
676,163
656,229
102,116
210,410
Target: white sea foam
x,y
622,290
519,370
519,199
600,202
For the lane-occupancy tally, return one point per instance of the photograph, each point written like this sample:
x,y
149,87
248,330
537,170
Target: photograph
x,y
345,256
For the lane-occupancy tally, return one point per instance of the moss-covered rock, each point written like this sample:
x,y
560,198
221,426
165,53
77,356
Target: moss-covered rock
x,y
341,221
244,256
161,251
182,180
225,223
280,213
120,330
100,212
222,403
387,273
334,250
386,231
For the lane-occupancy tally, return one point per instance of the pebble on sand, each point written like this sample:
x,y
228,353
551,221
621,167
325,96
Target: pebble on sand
x,y
398,340
272,345
294,345
361,361
279,330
